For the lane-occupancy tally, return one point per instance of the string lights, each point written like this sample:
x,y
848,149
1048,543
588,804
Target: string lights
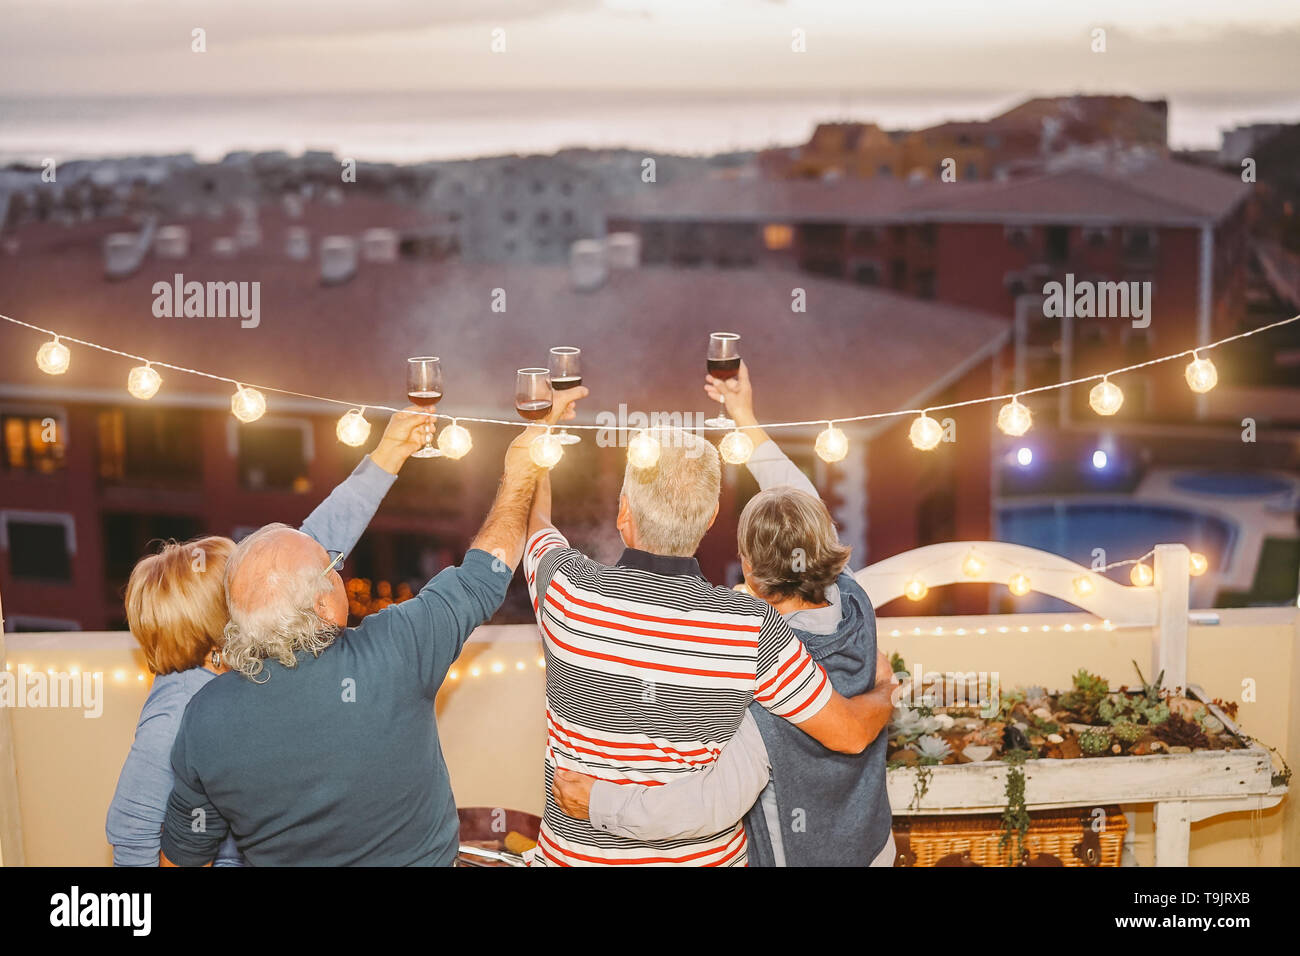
x,y
53,357
546,450
1014,419
143,382
735,448
1105,397
643,450
248,404
353,429
832,444
454,441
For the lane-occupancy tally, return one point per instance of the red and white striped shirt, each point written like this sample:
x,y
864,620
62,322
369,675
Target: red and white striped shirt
x,y
649,669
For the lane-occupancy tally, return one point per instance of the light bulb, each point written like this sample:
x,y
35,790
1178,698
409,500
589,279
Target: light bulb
x,y
915,589
1197,564
925,433
248,404
454,441
832,444
1084,585
972,566
1014,419
53,357
1019,585
735,448
353,429
143,382
1142,575
1201,374
643,450
1105,397
546,451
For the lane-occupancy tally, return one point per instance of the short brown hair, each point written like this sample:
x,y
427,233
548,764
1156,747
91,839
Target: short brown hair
x,y
176,602
789,540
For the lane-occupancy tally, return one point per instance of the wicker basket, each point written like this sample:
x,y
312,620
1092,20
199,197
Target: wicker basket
x,y
1055,838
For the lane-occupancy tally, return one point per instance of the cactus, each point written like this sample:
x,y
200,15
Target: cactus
x,y
1127,732
1094,743
1087,695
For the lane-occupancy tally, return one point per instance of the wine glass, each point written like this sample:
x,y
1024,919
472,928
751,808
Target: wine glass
x,y
424,388
566,372
724,363
533,395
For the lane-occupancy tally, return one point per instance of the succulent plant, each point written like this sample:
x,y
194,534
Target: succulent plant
x,y
910,722
1178,731
1086,696
1127,732
932,749
1094,743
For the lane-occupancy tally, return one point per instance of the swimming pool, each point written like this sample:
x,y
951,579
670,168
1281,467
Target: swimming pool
x,y
1233,484
1125,529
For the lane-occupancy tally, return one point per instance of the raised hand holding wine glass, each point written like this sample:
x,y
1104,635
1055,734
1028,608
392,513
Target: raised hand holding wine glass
x,y
566,373
723,363
424,388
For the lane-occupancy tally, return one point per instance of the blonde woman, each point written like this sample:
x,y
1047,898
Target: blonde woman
x,y
176,607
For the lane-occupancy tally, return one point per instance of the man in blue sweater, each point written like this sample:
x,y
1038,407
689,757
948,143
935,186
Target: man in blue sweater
x,y
320,746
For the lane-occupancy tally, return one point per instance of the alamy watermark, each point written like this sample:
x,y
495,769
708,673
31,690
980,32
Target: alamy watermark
x,y
1098,300
74,690
179,299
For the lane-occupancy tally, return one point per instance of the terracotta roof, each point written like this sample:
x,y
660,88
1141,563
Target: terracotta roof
x,y
1154,191
643,333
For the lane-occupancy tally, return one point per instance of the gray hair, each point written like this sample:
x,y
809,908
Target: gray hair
x,y
282,625
674,500
789,540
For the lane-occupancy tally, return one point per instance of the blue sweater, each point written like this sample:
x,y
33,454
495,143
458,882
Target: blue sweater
x,y
135,816
335,761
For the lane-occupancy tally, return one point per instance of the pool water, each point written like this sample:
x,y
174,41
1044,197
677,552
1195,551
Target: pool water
x,y
1125,529
1232,484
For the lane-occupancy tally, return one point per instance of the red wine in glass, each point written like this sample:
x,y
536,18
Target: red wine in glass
x,y
724,368
533,395
533,410
723,363
566,373
424,388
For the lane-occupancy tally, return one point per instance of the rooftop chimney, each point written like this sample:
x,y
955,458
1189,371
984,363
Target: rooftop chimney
x,y
122,254
338,259
623,250
379,245
587,264
297,244
171,242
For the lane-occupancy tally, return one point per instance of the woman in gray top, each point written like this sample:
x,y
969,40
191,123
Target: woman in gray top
x,y
814,807
176,607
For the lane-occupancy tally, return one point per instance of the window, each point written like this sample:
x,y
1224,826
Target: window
x,y
40,544
33,440
150,445
273,454
1058,243
778,236
1096,236
1139,242
128,536
1018,235
868,273
29,624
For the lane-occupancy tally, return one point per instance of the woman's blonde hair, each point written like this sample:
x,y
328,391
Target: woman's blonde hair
x,y
176,602
788,538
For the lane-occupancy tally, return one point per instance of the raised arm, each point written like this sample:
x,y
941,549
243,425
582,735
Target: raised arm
x,y
768,464
699,805
339,521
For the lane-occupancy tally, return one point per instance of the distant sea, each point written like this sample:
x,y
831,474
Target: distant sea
x,y
414,126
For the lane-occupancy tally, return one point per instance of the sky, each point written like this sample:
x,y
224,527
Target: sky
x,y
1153,47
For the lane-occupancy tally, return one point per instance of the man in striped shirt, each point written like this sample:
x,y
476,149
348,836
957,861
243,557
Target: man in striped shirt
x,y
649,668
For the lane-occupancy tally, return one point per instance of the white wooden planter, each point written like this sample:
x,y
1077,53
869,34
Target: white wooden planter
x,y
1183,787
